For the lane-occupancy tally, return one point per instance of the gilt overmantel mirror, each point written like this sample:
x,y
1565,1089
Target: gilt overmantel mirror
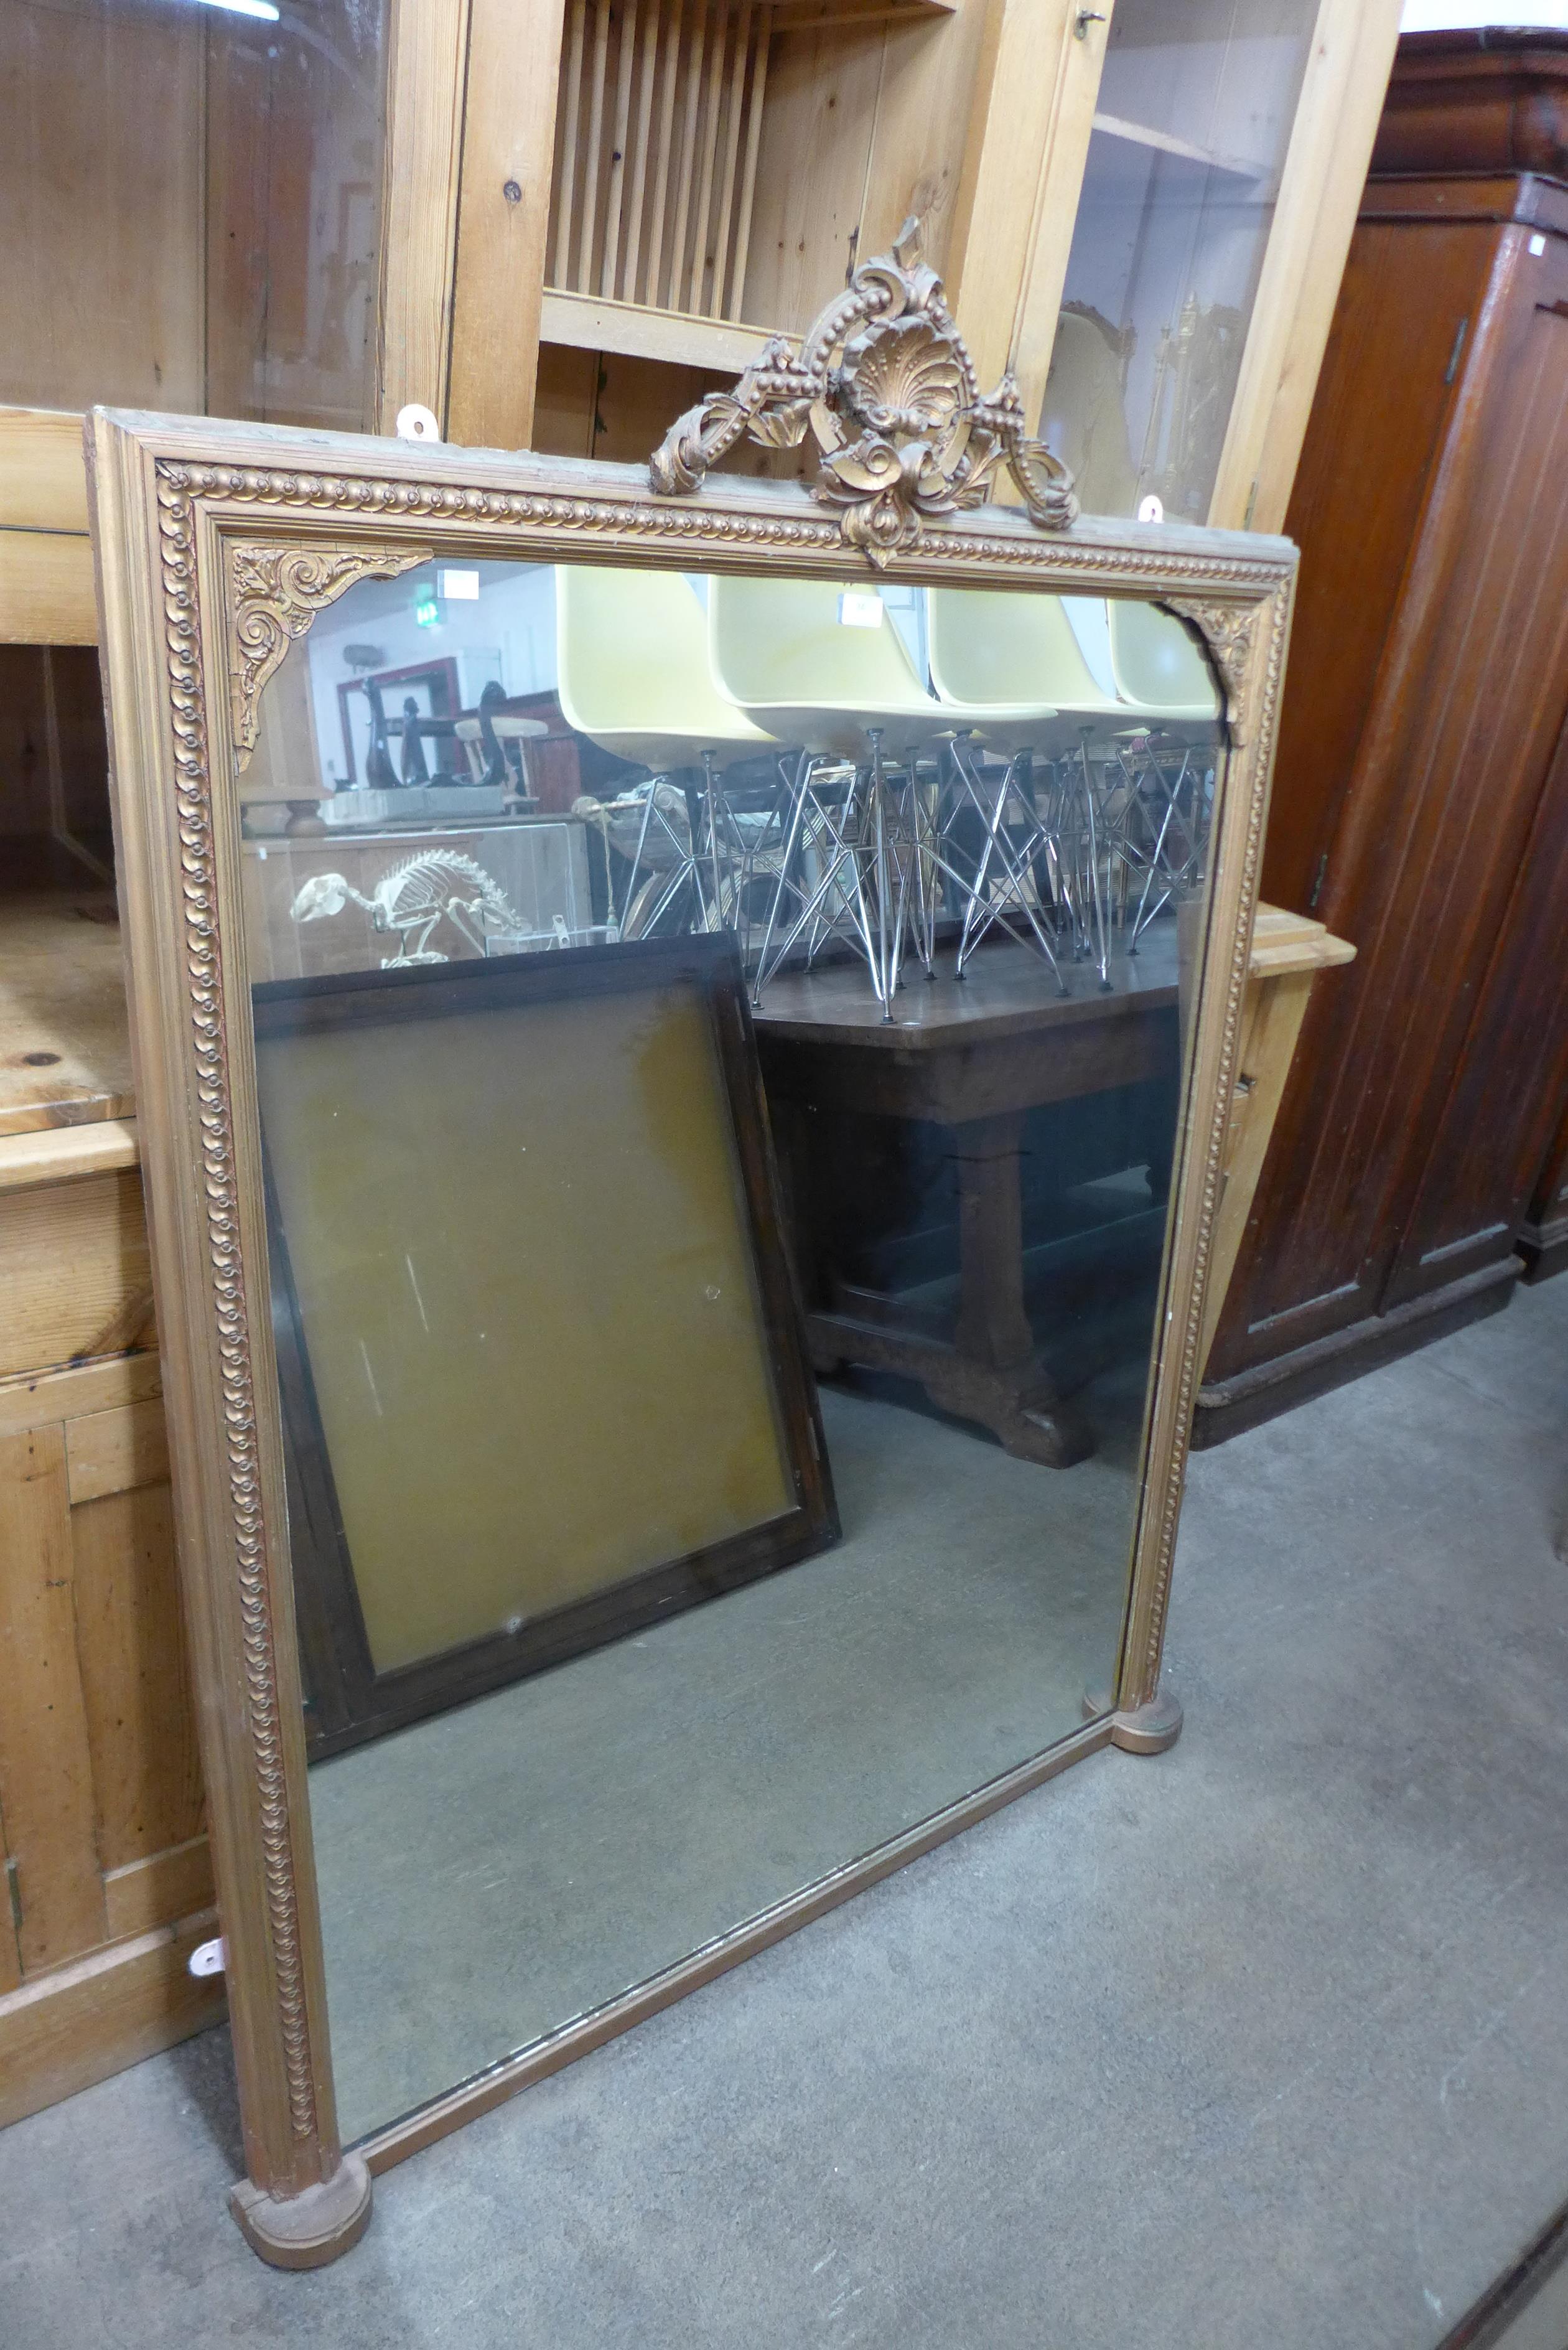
x,y
682,1063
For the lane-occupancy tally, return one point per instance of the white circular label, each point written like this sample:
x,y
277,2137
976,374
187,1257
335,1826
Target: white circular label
x,y
417,423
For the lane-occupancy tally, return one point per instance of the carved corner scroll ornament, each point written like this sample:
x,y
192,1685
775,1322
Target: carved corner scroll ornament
x,y
885,384
275,593
1227,633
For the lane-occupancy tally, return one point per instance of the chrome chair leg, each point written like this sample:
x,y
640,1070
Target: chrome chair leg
x,y
982,911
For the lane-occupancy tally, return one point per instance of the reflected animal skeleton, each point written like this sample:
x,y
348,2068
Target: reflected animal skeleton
x,y
412,899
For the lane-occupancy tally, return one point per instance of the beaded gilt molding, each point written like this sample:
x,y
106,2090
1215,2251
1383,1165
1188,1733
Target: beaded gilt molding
x,y
247,551
228,1298
1230,647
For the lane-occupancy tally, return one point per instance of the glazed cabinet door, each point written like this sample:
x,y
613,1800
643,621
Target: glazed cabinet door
x,y
193,205
1217,198
193,202
1190,130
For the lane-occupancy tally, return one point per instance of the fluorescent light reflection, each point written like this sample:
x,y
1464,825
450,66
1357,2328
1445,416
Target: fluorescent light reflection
x,y
245,8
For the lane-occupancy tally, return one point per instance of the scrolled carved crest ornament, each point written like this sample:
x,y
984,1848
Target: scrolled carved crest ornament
x,y
885,385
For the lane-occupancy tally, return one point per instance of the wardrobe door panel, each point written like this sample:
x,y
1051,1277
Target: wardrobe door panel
x,y
1367,470
1378,422
1424,857
1543,1235
1486,1152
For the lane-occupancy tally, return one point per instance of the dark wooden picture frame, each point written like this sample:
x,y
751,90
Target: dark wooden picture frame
x,y
438,674
348,1701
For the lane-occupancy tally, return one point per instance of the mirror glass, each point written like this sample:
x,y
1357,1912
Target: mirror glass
x,y
719,1044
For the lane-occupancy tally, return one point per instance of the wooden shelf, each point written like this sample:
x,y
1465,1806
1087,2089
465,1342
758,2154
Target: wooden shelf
x,y
45,556
1164,142
588,322
43,473
65,1042
828,15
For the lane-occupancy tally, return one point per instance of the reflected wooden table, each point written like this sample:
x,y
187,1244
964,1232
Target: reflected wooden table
x,y
971,1057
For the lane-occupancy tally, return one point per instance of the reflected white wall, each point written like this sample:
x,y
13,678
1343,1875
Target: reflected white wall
x,y
507,632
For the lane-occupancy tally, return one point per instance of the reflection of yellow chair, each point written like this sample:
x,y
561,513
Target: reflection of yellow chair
x,y
632,671
1158,669
1012,663
780,652
855,849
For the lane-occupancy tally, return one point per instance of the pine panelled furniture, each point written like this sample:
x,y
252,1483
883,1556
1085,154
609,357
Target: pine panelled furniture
x,y
102,1836
717,171
1421,794
45,556
658,186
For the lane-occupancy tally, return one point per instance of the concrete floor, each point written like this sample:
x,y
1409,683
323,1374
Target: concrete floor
x,y
1262,2041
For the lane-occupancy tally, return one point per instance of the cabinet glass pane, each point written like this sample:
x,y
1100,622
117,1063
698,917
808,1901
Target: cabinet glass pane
x,y
1195,112
193,201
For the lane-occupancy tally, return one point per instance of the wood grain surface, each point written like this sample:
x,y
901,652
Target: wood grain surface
x,y
46,1777
64,1031
1421,794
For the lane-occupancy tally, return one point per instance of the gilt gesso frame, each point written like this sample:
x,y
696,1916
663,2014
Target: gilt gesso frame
x,y
217,545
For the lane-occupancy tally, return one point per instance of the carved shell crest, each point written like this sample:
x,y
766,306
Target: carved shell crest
x,y
907,376
902,432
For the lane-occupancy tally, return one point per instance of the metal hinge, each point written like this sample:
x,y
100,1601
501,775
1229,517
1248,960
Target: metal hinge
x,y
1317,880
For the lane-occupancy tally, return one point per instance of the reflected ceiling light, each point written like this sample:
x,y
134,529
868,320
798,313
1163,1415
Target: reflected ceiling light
x,y
245,8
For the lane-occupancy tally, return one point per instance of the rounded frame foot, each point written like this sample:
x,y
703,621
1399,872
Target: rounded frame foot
x,y
1147,1729
308,2229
